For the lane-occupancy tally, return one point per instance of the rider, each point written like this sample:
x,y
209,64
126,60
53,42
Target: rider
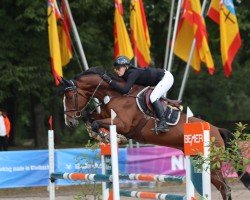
x,y
161,79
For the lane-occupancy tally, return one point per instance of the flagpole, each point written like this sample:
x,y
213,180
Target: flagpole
x,y
174,35
169,33
135,61
185,76
77,38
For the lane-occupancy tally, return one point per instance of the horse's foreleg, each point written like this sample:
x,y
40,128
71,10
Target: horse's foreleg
x,y
105,123
89,117
220,183
103,135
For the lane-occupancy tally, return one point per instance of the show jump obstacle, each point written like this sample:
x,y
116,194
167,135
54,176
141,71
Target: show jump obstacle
x,y
196,139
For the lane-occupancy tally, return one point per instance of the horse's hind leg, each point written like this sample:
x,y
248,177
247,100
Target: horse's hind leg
x,y
220,183
245,179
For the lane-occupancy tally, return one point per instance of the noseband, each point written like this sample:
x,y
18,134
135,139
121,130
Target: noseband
x,y
77,111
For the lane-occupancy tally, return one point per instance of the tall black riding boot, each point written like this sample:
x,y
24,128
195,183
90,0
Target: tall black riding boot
x,y
162,126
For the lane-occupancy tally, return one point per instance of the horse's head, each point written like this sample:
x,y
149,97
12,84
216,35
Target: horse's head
x,y
79,92
74,102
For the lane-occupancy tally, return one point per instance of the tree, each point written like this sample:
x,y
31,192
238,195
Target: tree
x,y
24,63
27,88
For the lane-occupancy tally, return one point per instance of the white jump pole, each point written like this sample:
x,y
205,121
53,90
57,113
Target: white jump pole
x,y
206,173
190,191
51,163
114,160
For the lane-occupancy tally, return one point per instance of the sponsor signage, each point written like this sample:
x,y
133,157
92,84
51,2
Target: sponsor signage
x,y
194,138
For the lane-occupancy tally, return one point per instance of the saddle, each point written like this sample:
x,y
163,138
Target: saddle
x,y
172,108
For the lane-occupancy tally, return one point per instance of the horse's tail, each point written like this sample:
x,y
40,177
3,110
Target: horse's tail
x,y
227,137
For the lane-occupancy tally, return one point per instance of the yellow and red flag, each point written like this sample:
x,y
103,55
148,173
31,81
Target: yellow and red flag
x,y
139,33
192,25
122,45
223,13
64,36
54,46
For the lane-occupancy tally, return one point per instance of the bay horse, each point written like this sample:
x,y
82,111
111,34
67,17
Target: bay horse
x,y
130,121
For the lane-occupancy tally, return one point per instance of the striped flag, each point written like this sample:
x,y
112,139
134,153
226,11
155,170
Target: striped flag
x,y
192,25
54,46
223,13
64,36
122,45
139,33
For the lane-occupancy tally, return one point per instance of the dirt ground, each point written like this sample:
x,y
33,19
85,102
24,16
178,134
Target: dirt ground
x,y
74,192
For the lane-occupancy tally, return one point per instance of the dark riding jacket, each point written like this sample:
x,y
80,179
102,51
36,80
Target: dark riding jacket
x,y
145,77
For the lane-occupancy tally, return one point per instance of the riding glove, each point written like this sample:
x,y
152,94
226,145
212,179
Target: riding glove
x,y
106,78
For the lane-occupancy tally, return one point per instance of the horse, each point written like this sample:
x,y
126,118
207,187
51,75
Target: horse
x,y
130,121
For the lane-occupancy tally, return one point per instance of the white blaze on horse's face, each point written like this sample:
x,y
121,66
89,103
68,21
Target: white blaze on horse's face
x,y
64,107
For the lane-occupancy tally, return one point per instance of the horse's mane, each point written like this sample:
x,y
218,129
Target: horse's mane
x,y
99,71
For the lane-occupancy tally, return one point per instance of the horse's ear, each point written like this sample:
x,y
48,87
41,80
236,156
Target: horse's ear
x,y
64,85
65,82
60,80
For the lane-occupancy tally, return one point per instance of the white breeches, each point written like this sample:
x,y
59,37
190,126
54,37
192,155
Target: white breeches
x,y
162,87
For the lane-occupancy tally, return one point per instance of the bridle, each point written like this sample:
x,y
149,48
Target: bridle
x,y
77,111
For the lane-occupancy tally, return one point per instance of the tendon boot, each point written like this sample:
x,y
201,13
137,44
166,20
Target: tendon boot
x,y
162,126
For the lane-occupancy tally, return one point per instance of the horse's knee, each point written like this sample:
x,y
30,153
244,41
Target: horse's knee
x,y
95,126
85,116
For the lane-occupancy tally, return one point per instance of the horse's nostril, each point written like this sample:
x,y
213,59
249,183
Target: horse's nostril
x,y
70,124
73,124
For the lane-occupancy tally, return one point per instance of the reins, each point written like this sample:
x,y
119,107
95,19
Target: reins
x,y
78,113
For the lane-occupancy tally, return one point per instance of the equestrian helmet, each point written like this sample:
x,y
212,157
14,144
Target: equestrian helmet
x,y
121,61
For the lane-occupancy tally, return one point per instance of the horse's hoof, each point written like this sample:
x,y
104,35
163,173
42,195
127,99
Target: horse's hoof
x,y
121,139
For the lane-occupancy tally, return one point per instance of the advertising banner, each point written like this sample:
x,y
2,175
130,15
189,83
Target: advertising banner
x,y
156,160
23,168
31,168
83,161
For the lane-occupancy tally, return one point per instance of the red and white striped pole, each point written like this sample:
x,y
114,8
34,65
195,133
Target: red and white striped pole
x,y
51,159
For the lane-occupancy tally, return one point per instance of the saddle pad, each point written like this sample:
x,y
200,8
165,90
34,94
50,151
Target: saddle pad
x,y
172,114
